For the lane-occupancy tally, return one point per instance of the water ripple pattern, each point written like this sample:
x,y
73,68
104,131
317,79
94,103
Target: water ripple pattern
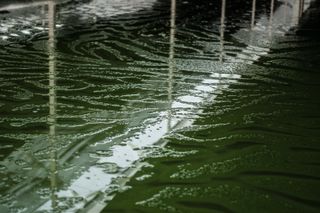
x,y
254,150
91,91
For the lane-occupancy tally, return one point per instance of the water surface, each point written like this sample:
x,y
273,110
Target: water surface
x,y
187,106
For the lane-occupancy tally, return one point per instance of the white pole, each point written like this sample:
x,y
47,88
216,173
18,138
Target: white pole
x,y
171,58
52,102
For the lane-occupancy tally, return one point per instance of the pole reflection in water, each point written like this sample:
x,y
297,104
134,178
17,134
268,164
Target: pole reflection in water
x,y
297,11
171,59
253,14
271,18
52,102
286,11
253,17
301,8
96,5
43,14
222,28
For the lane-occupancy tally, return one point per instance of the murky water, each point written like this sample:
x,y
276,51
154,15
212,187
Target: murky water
x,y
159,106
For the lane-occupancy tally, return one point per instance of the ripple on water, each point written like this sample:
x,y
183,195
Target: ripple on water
x,y
252,148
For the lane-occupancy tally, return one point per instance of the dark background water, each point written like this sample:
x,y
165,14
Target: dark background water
x,y
72,94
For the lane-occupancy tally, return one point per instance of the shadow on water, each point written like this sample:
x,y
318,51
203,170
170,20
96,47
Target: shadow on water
x,y
183,106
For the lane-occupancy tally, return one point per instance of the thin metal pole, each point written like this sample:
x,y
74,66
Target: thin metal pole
x,y
271,18
253,14
286,11
52,102
301,7
222,28
171,58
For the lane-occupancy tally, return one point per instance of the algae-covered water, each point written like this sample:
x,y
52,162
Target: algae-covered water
x,y
159,106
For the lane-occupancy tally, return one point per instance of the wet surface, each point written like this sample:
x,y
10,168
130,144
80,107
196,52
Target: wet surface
x,y
187,106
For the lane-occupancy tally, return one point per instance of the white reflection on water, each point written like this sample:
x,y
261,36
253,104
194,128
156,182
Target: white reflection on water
x,y
30,14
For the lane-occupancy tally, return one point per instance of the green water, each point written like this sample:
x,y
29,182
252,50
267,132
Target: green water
x,y
153,106
257,146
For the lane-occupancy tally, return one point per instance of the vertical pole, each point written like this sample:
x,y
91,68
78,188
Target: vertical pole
x,y
301,7
43,14
271,18
286,11
253,14
95,5
253,17
52,102
222,28
295,12
171,57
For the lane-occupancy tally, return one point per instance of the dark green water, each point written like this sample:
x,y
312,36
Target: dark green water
x,y
257,145
151,106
